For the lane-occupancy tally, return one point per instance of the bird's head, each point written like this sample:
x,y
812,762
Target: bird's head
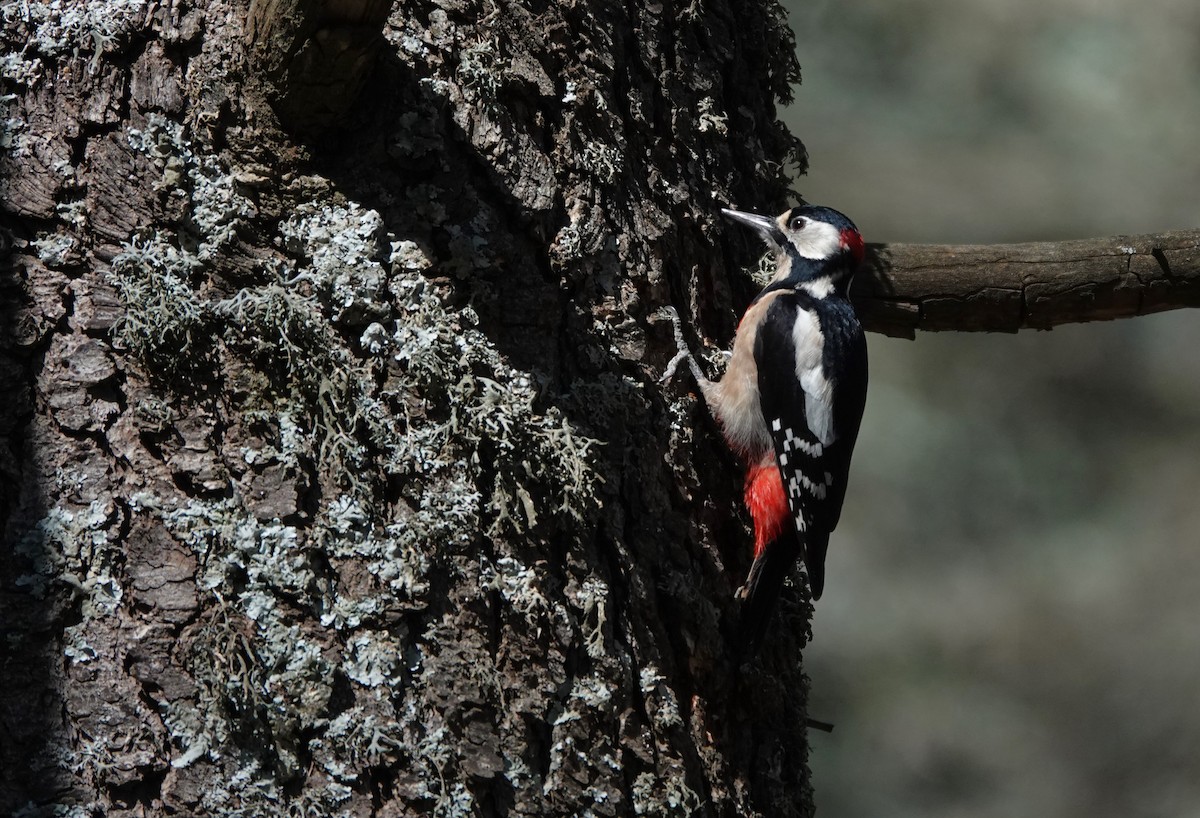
x,y
812,241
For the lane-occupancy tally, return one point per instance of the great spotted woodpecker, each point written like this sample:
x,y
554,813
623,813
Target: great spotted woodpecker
x,y
792,398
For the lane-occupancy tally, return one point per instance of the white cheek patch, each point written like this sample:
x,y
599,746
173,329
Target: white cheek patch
x,y
818,391
817,240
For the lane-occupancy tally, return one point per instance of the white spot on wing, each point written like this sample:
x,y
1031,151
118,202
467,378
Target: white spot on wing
x,y
793,443
815,489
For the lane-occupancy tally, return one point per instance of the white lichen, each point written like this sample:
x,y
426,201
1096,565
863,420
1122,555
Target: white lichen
x,y
216,209
345,248
75,546
710,119
664,796
593,596
479,71
20,70
76,27
373,658
163,315
518,585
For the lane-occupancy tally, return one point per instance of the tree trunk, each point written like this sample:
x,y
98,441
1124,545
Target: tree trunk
x,y
338,477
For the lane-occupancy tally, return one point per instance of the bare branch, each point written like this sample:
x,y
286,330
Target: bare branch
x,y
903,288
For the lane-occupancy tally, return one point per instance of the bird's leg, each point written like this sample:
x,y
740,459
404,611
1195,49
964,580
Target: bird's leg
x,y
684,354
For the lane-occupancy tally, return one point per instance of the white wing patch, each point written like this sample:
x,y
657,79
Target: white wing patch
x,y
818,391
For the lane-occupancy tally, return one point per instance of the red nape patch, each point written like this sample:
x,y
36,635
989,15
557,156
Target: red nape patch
x,y
852,241
767,503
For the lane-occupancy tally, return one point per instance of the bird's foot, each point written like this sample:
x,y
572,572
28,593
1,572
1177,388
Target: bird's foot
x,y
683,353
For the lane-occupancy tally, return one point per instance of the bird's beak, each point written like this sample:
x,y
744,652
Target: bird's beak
x,y
764,225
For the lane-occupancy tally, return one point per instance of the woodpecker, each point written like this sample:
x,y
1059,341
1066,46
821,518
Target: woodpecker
x,y
792,398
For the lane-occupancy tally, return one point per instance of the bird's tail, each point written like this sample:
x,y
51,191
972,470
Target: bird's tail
x,y
761,589
814,563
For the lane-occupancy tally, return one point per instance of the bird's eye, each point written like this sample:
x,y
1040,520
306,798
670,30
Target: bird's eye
x,y
797,223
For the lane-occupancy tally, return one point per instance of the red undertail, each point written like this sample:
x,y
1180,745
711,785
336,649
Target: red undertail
x,y
776,547
767,503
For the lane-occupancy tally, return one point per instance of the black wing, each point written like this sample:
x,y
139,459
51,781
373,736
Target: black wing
x,y
812,374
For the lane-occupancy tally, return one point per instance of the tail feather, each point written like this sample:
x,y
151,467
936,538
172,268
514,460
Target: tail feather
x,y
814,563
762,587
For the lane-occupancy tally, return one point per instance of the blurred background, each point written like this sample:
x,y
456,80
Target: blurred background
x,y
1011,624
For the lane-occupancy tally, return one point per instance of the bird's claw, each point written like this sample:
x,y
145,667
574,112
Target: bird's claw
x,y
683,353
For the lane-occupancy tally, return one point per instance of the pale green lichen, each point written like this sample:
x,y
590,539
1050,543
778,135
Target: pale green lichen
x,y
268,684
163,316
31,810
517,584
354,741
75,644
374,659
75,547
19,70
400,553
603,160
308,371
14,136
253,791
235,549
479,70
661,702
591,692
78,27
442,356
593,597
422,436
765,270
345,246
429,754
664,796
74,213
215,207
710,119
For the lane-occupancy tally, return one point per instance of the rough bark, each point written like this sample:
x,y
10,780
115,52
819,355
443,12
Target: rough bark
x,y
314,56
337,477
903,288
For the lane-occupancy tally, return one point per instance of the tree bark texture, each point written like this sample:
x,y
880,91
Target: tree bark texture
x,y
337,477
314,56
903,288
